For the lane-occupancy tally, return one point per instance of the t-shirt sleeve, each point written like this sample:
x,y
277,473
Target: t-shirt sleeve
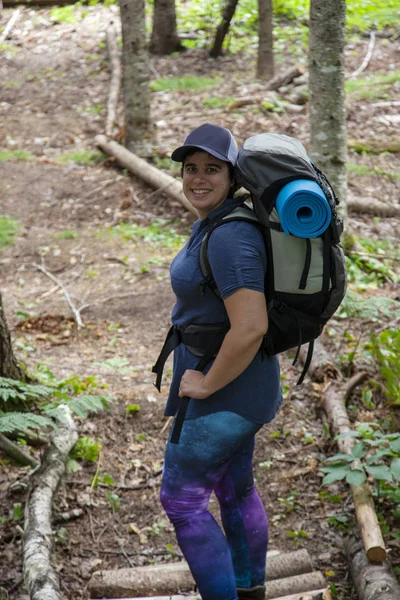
x,y
237,257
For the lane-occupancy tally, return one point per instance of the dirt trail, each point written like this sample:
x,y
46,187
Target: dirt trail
x,y
52,103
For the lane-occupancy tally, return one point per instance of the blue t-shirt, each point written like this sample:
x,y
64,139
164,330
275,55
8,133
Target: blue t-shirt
x,y
236,253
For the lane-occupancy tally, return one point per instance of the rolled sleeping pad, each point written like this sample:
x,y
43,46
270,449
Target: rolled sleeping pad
x,y
303,209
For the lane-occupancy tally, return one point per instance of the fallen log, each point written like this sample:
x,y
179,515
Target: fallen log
x,y
371,206
151,175
372,581
16,453
284,78
293,585
298,584
176,577
7,29
32,438
322,366
244,101
322,594
115,83
41,579
333,403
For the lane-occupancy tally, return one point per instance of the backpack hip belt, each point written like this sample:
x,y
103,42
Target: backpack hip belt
x,y
203,341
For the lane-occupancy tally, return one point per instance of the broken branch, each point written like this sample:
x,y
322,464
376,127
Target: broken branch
x,y
76,311
284,78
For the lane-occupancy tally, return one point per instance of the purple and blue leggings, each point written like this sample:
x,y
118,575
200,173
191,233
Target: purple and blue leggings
x,y
215,454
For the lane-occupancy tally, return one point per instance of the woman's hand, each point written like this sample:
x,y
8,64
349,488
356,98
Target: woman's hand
x,y
193,385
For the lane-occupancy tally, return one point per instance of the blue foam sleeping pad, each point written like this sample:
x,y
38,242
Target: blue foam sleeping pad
x,y
303,209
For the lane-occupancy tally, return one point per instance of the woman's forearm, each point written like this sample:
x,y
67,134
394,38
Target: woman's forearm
x,y
236,353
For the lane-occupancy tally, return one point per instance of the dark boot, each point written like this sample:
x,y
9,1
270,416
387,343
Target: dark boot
x,y
254,593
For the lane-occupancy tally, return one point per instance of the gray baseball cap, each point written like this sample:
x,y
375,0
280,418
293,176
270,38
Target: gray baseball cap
x,y
213,139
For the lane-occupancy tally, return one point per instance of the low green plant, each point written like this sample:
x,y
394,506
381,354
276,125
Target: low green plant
x,y
8,230
17,511
372,88
156,528
83,157
369,271
10,49
7,155
166,164
86,448
217,102
385,349
64,14
68,234
339,522
297,535
289,503
364,170
102,478
132,409
96,109
117,364
184,84
370,308
160,233
114,500
374,454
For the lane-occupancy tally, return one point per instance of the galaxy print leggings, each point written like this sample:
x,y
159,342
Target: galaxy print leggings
x,y
215,454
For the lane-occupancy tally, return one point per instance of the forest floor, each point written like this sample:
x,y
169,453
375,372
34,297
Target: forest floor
x,y
55,79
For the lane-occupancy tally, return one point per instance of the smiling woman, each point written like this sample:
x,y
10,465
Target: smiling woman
x,y
206,181
236,394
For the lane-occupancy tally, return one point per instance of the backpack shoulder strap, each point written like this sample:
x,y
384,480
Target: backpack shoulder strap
x,y
241,213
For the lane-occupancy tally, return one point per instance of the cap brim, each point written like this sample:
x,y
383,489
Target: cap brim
x,y
180,153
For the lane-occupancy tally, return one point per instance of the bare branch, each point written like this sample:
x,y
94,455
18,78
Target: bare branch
x,y
76,311
367,58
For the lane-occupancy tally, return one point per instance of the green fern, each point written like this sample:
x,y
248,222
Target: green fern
x,y
12,390
17,421
81,406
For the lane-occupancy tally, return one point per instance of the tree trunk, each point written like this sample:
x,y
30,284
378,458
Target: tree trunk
x,y
135,61
223,27
8,363
328,138
164,37
265,59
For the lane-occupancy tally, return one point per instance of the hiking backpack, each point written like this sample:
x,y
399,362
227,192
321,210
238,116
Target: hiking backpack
x,y
306,276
